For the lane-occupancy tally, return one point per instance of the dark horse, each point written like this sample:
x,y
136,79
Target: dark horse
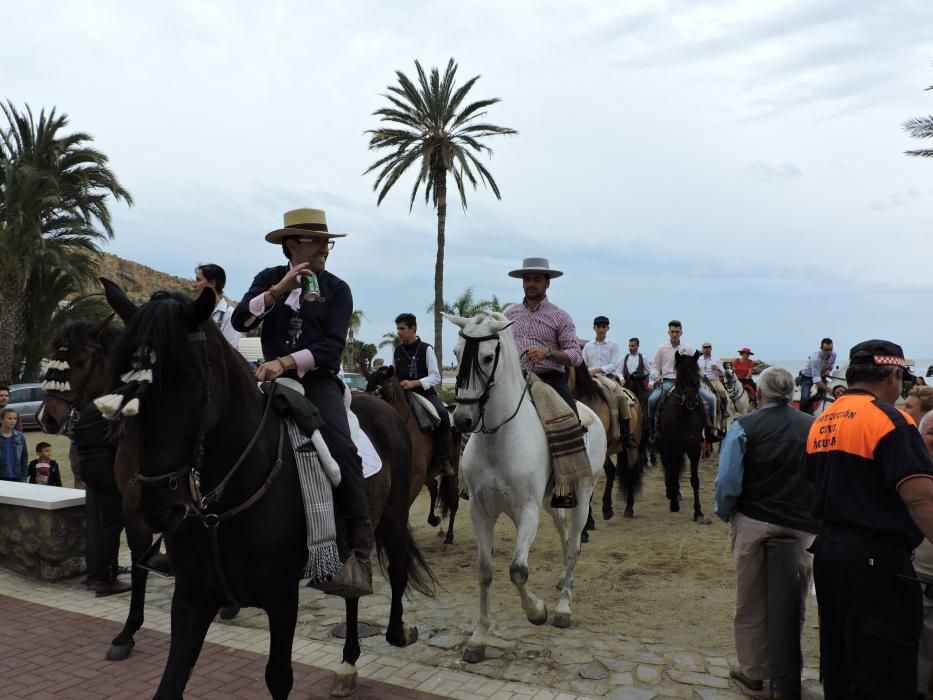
x,y
85,348
219,479
680,432
383,382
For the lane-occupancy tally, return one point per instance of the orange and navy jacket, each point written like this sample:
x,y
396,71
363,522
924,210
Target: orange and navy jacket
x,y
859,452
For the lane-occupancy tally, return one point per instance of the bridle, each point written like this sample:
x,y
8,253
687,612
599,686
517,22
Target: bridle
x,y
197,504
469,366
57,374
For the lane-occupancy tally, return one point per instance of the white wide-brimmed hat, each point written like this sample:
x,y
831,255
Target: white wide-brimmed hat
x,y
535,266
310,223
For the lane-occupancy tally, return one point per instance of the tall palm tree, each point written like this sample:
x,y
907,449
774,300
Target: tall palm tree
x,y
920,128
465,305
55,192
435,131
390,340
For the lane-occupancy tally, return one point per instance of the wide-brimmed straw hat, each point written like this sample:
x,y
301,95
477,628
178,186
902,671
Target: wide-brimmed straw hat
x,y
310,223
535,266
748,350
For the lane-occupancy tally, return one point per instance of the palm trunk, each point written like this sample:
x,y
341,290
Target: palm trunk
x,y
12,325
440,179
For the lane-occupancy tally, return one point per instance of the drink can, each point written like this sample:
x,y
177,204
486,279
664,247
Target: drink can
x,y
310,290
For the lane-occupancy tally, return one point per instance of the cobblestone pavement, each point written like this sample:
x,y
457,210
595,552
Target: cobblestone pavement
x,y
524,661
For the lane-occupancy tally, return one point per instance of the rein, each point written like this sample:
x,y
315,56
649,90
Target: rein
x,y
470,366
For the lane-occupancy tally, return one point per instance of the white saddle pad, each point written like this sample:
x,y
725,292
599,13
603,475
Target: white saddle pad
x,y
429,407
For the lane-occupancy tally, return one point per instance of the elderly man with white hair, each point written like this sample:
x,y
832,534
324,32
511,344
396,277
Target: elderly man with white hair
x,y
762,491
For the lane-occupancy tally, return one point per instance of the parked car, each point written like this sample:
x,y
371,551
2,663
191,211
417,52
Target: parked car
x,y
25,399
356,382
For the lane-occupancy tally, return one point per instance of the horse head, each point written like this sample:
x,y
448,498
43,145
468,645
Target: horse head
x,y
173,377
687,383
383,382
76,372
480,352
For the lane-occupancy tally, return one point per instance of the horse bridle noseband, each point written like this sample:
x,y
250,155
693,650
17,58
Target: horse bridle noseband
x,y
469,364
74,415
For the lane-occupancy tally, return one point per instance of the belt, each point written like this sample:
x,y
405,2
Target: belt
x,y
866,536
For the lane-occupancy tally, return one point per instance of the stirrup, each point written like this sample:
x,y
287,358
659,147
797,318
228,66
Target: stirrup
x,y
354,580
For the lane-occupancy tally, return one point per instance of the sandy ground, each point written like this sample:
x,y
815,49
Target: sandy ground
x,y
657,577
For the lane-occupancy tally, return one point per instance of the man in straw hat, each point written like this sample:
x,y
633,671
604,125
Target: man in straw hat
x,y
546,337
305,313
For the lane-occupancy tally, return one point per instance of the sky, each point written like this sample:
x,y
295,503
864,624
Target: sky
x,y
735,165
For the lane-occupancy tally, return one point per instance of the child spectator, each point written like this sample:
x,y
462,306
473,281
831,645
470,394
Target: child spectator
x,y
12,448
44,469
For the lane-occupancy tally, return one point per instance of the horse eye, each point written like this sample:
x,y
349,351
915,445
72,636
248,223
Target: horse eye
x,y
78,363
487,359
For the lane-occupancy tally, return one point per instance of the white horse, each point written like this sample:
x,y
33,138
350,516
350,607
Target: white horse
x,y
739,402
507,466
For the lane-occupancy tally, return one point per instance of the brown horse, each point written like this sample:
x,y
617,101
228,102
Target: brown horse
x,y
629,463
383,382
81,353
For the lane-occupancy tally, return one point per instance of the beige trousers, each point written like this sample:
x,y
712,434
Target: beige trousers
x,y
751,588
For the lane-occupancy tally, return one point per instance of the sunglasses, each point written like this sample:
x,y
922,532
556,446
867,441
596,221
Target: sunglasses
x,y
318,241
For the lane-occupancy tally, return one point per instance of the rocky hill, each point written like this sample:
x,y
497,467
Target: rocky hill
x,y
139,281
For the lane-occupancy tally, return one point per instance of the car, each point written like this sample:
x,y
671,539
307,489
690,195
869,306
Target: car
x,y
25,399
354,381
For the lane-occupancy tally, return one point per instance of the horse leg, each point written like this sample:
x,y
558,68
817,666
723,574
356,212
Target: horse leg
x,y
139,539
610,471
433,520
346,674
452,497
475,649
190,619
396,540
526,528
562,615
283,613
671,481
630,482
695,483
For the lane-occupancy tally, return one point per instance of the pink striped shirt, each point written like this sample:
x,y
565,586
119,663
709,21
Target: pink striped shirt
x,y
546,325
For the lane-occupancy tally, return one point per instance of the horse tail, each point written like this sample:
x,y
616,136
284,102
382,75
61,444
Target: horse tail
x,y
443,495
420,576
631,477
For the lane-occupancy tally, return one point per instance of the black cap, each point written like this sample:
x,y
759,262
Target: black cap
x,y
600,319
878,352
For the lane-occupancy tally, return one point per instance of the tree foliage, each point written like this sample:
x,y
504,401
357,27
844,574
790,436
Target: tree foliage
x,y
920,128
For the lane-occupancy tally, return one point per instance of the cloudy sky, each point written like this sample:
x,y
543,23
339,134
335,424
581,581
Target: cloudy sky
x,y
736,165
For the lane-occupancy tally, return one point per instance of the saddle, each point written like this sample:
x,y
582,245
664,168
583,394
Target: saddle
x,y
619,399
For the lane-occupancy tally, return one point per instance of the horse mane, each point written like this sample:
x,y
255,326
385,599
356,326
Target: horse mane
x,y
79,333
585,385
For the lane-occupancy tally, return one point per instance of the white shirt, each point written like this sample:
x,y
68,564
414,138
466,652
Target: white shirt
x,y
662,366
222,315
706,365
631,363
604,355
434,374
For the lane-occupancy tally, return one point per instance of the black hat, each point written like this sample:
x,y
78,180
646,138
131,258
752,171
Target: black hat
x,y
878,352
600,319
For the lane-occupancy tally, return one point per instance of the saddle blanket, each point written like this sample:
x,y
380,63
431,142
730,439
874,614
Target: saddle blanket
x,y
569,460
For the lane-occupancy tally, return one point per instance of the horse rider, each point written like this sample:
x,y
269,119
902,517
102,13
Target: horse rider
x,y
635,371
546,338
819,368
713,374
305,314
663,374
602,357
417,370
743,368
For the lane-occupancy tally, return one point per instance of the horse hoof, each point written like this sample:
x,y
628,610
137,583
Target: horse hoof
x,y
675,507
474,654
344,681
119,652
701,519
540,618
229,612
629,513
584,537
608,514
562,620
449,539
433,520
408,636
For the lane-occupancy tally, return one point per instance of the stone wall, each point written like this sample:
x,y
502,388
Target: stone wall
x,y
44,544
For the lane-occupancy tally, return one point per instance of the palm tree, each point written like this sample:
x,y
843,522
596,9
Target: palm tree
x,y
500,306
465,305
920,128
351,351
433,134
54,209
390,340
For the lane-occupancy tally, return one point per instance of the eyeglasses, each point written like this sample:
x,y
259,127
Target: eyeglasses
x,y
318,241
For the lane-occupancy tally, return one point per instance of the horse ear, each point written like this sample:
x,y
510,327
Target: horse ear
x,y
456,320
198,311
499,325
118,300
696,354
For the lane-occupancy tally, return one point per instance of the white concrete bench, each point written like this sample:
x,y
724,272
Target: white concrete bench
x,y
42,530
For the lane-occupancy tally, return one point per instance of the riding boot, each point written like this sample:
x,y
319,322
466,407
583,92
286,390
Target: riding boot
x,y
628,440
355,578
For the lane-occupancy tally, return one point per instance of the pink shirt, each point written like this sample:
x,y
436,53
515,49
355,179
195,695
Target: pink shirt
x,y
546,325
